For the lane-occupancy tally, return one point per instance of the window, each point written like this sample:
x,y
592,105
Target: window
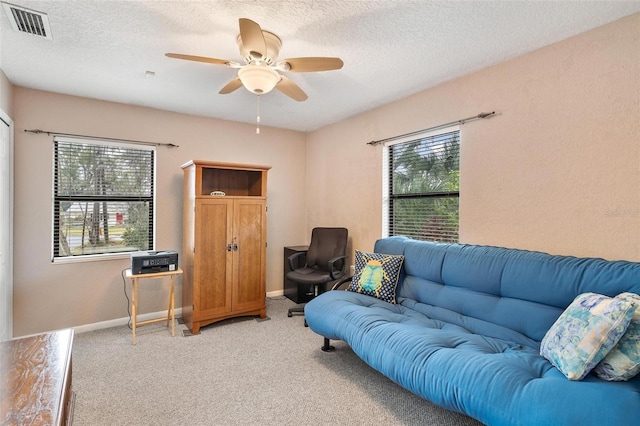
x,y
421,188
103,197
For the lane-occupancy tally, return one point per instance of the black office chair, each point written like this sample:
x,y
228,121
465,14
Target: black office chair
x,y
325,262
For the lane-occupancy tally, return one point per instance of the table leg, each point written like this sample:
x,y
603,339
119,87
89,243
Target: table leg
x,y
172,309
169,308
134,307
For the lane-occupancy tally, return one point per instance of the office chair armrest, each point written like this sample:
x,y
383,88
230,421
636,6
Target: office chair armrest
x,y
294,257
337,273
344,282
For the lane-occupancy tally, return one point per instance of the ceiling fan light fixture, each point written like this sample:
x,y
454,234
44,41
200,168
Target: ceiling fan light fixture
x,y
258,79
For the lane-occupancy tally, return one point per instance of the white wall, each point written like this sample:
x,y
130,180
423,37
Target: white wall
x,y
49,296
6,94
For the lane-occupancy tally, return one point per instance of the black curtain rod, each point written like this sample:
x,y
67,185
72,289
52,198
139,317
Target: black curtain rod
x,y
38,131
462,121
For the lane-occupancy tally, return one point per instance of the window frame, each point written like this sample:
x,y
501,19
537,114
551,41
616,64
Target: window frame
x,y
387,197
55,258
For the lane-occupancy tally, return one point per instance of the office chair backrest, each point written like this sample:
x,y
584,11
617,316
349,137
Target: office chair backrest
x,y
326,243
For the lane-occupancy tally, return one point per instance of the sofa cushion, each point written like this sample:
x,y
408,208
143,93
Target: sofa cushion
x,y
530,289
585,332
493,380
445,339
377,275
623,362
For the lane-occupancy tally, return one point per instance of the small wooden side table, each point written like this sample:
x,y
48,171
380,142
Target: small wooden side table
x,y
135,281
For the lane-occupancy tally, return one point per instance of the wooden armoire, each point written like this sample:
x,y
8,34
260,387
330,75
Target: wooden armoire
x,y
224,242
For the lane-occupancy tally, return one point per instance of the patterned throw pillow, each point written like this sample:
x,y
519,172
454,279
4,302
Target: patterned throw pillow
x,y
623,362
585,332
377,275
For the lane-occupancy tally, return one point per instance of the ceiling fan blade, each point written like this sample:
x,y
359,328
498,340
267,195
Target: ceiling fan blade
x,y
252,38
312,64
198,58
231,86
291,89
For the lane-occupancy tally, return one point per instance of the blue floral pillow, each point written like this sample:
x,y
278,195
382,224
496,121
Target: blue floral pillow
x,y
623,362
585,333
377,275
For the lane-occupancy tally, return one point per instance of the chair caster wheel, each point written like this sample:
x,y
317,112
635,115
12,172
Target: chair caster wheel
x,y
289,314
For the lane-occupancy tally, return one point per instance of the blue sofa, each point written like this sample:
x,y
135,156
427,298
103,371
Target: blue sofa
x,y
466,330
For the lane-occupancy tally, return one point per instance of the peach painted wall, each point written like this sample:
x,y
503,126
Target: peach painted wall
x,y
557,169
50,296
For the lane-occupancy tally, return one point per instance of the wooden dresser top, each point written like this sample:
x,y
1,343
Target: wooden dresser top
x,y
33,378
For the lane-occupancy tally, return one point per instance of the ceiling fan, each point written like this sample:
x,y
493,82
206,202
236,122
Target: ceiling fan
x,y
259,73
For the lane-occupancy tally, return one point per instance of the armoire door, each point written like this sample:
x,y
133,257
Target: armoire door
x,y
249,232
213,255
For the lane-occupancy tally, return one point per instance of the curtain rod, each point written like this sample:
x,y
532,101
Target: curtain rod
x,y
38,131
440,126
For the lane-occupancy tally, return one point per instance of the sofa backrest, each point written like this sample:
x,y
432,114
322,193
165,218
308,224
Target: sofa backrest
x,y
506,293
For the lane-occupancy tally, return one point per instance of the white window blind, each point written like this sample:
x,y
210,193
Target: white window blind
x,y
103,197
422,187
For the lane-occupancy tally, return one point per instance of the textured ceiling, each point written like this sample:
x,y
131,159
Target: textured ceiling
x,y
391,49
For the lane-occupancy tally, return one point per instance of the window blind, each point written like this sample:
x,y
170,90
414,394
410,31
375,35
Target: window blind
x,y
103,197
423,193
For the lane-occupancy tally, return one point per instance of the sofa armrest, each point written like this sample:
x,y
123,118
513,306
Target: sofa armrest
x,y
344,282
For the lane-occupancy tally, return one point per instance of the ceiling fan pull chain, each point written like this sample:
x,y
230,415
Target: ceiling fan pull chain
x,y
258,117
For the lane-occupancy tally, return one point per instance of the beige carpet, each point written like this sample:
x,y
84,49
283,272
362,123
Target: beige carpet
x,y
237,372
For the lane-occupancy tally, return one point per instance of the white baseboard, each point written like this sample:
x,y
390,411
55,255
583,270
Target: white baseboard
x,y
123,321
142,317
276,293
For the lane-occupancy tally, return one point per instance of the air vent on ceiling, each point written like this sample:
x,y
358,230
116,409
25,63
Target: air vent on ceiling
x,y
28,21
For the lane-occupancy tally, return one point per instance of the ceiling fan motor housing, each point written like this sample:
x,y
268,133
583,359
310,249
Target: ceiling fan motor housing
x,y
273,43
